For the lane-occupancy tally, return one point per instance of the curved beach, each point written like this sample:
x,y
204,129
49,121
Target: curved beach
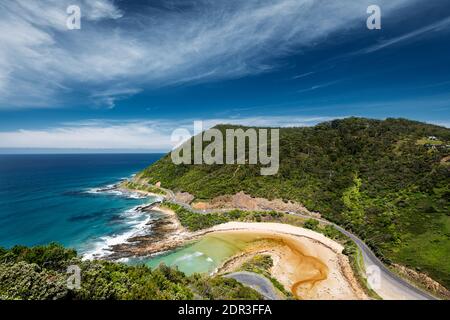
x,y
307,263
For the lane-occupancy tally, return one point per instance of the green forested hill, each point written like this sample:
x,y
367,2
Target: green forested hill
x,y
385,180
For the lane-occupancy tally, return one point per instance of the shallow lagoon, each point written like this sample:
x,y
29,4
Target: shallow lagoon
x,y
203,256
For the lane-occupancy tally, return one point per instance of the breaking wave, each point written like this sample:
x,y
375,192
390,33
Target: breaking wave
x,y
136,224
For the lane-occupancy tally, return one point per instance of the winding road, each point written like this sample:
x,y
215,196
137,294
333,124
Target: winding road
x,y
257,282
385,283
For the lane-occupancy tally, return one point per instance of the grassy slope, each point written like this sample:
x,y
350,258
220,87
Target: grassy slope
x,y
373,177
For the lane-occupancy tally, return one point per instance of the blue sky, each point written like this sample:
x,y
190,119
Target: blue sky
x,y
137,70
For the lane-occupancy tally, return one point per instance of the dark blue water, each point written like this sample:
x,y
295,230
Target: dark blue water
x,y
45,198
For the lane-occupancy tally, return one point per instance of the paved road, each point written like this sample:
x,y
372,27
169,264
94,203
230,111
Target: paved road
x,y
257,282
388,285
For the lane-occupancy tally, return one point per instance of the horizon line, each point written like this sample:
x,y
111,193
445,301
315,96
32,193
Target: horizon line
x,y
74,151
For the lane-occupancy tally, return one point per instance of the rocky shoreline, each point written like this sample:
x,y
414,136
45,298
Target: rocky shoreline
x,y
166,234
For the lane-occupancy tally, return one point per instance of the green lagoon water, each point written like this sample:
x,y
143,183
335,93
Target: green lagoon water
x,y
203,256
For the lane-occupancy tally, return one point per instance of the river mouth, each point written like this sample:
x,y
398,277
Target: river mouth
x,y
213,250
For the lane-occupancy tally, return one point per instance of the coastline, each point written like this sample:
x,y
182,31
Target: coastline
x,y
311,249
169,235
166,234
183,237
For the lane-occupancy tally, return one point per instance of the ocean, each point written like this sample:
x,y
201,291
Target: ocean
x,y
68,199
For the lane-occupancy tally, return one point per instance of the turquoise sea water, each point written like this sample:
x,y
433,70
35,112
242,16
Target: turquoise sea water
x,y
45,198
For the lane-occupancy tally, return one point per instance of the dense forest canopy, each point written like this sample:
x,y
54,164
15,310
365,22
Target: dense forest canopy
x,y
388,181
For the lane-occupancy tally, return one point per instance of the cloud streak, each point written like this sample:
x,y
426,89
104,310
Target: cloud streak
x,y
320,86
437,26
42,64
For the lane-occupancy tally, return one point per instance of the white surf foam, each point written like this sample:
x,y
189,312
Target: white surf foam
x,y
138,224
112,189
189,256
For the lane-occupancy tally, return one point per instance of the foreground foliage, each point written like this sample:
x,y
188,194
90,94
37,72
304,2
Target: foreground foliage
x,y
39,273
379,179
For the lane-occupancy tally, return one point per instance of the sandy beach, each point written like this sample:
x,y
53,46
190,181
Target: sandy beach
x,y
306,262
309,264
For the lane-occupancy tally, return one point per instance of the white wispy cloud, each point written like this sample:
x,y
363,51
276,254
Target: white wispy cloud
x,y
303,75
414,35
109,97
42,63
441,123
320,86
269,121
151,135
112,136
